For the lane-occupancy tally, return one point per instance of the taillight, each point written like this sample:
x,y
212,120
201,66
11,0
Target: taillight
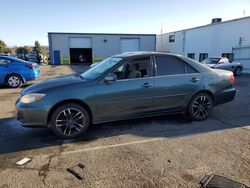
x,y
232,79
31,66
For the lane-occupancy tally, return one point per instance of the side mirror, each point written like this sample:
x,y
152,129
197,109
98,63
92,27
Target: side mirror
x,y
110,78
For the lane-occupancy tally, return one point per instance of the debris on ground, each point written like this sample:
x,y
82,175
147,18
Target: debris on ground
x,y
23,161
76,171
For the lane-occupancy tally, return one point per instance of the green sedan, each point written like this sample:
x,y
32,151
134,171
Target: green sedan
x,y
130,85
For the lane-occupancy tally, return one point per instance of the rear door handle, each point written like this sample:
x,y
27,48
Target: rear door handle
x,y
195,79
147,85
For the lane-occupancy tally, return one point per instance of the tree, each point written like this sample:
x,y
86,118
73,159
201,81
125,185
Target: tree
x,y
23,49
3,46
8,51
38,49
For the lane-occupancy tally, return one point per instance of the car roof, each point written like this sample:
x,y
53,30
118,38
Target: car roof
x,y
11,58
8,57
138,53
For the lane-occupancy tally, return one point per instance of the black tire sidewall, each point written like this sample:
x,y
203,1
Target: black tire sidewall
x,y
7,80
190,110
235,72
62,107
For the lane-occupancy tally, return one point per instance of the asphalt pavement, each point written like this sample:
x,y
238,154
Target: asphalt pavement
x,y
162,151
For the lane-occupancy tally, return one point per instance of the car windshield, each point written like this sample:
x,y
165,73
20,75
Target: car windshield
x,y
210,61
100,68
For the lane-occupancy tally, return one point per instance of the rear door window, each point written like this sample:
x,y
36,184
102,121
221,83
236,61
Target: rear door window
x,y
190,69
171,65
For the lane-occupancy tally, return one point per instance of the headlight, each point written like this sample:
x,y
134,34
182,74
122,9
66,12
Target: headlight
x,y
29,98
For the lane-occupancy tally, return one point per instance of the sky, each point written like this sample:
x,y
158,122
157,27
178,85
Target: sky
x,y
24,21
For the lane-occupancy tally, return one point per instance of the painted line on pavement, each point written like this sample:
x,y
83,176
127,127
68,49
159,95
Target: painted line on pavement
x,y
112,146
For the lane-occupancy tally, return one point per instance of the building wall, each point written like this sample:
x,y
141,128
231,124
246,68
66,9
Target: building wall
x,y
213,39
101,49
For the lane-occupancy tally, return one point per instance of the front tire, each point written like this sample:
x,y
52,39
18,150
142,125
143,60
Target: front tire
x,y
69,121
200,106
14,81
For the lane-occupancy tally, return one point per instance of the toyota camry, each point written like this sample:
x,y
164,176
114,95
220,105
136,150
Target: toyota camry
x,y
130,85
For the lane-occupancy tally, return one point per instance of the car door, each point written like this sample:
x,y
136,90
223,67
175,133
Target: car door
x,y
4,69
175,82
130,95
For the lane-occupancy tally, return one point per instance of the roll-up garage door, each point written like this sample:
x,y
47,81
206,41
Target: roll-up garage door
x,y
81,42
129,45
80,49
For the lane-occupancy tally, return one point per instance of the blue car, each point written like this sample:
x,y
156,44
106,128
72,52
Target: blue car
x,y
14,72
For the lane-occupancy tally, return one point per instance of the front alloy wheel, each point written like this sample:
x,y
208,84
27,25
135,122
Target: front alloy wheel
x,y
200,106
69,121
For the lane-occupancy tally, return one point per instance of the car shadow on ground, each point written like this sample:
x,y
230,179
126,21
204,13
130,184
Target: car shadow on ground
x,y
22,86
14,138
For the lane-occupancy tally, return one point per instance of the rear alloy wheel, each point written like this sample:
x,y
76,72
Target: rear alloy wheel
x,y
200,106
14,81
237,71
69,121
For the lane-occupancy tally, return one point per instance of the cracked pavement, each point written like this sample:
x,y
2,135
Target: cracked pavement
x,y
163,151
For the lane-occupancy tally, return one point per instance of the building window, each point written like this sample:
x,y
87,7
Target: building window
x,y
191,55
203,56
171,38
229,56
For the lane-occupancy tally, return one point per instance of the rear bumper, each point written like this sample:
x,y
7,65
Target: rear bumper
x,y
35,74
225,96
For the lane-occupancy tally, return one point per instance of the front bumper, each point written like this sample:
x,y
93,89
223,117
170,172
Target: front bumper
x,y
31,115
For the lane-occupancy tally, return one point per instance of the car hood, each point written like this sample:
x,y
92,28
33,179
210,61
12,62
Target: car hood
x,y
52,83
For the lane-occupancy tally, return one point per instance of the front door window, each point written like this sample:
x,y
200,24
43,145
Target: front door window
x,y
136,68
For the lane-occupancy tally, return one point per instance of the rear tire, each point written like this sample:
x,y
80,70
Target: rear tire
x,y
14,81
200,106
69,121
237,71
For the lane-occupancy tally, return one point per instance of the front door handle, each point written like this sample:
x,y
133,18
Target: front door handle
x,y
147,85
195,79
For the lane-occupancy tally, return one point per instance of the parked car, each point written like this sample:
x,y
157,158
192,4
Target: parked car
x,y
223,63
32,57
14,72
125,86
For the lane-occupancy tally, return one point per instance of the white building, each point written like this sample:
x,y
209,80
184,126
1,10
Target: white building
x,y
229,39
